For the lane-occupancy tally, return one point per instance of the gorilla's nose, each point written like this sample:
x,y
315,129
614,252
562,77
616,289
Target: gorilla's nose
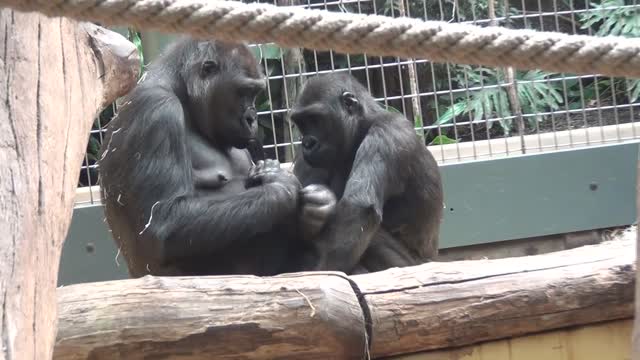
x,y
309,142
250,116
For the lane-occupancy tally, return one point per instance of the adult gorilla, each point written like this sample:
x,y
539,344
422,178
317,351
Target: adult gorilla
x,y
388,183
175,178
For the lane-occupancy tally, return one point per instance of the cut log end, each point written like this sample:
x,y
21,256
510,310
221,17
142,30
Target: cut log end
x,y
118,61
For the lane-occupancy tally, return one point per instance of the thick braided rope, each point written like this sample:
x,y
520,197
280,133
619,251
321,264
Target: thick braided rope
x,y
356,33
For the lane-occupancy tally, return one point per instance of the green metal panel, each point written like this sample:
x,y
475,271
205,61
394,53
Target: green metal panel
x,y
486,201
89,252
541,194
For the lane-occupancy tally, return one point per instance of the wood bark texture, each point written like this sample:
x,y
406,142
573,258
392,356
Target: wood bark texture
x,y
286,317
442,305
318,315
55,75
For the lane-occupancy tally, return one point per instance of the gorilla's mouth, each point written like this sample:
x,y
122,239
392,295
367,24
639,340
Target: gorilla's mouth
x,y
313,159
245,137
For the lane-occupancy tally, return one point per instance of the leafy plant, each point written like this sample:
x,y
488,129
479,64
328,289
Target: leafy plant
x,y
535,94
442,140
134,36
612,17
419,124
615,17
633,86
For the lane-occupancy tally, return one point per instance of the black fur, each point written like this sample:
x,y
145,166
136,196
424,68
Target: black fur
x,y
387,182
175,170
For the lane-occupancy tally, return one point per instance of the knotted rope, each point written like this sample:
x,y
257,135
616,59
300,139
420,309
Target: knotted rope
x,y
358,33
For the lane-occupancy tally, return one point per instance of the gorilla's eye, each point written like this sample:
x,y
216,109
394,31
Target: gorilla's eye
x,y
209,67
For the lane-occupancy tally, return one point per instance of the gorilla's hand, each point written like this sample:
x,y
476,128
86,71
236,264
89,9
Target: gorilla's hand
x,y
318,205
259,172
269,172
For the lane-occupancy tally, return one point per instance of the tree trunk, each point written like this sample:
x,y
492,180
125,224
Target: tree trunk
x,y
319,316
56,75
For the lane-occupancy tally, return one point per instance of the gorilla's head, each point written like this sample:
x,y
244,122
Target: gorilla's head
x,y
331,114
219,83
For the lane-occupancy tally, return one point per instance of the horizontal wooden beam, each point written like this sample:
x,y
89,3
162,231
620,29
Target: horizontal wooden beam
x,y
604,340
329,315
441,305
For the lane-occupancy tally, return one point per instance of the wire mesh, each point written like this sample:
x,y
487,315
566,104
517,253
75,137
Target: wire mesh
x,y
464,113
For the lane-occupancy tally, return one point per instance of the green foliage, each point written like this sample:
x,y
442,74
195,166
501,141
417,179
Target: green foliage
x,y
612,17
442,140
418,124
633,86
446,11
615,17
534,93
480,8
134,36
93,147
391,109
537,95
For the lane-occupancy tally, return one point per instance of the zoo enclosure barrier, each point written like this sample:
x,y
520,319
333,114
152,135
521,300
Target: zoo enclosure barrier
x,y
464,112
561,95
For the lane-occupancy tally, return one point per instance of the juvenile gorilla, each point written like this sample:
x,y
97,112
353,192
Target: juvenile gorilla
x,y
387,182
181,195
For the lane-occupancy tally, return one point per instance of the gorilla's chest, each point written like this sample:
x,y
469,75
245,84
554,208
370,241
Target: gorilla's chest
x,y
213,169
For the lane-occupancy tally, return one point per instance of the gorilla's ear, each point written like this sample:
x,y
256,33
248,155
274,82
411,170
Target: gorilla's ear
x,y
350,101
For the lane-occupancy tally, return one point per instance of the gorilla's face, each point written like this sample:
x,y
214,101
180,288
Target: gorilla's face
x,y
222,85
319,138
327,114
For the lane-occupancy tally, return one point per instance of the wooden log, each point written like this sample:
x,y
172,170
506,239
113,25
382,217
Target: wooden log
x,y
317,315
243,317
55,75
441,305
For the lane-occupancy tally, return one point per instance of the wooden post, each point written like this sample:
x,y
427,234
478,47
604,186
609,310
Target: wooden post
x,y
55,76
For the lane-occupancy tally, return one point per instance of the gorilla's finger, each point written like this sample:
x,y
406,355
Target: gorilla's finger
x,y
321,198
317,212
256,168
313,188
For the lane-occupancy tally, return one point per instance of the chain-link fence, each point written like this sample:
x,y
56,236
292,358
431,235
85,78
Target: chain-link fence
x,y
464,113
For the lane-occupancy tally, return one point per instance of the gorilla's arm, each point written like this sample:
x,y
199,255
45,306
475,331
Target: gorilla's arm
x,y
175,222
359,212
